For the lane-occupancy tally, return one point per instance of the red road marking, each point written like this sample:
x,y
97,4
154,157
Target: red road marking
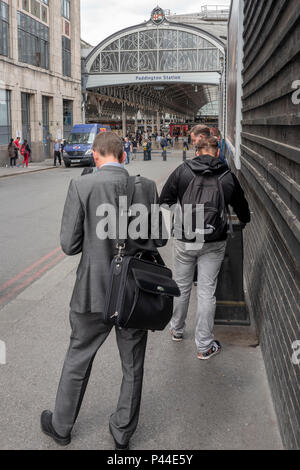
x,y
32,278
27,270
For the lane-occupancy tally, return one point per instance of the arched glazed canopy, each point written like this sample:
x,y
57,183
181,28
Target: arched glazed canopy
x,y
156,49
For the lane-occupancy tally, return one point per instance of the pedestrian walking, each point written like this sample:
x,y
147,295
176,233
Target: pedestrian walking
x,y
134,148
149,149
25,152
145,143
208,172
57,150
18,147
215,132
62,147
185,143
127,149
78,235
12,154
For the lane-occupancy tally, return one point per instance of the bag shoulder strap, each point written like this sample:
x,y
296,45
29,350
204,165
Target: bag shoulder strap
x,y
129,193
130,190
224,174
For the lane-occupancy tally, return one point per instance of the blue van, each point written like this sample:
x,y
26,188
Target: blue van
x,y
78,148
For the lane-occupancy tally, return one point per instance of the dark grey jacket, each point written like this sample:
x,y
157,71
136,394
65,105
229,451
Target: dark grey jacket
x,y
79,225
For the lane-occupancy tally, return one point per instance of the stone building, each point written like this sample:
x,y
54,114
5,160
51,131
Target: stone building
x,y
40,72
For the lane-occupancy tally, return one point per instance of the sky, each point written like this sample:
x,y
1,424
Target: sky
x,y
101,18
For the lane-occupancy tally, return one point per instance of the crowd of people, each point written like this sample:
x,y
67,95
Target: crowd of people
x,y
132,143
17,150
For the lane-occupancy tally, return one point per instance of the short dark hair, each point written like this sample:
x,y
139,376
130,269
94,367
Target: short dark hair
x,y
108,143
201,129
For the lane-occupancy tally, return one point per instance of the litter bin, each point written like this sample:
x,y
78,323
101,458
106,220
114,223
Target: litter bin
x,y
231,305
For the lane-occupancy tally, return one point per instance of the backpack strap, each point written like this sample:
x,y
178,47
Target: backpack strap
x,y
224,174
121,244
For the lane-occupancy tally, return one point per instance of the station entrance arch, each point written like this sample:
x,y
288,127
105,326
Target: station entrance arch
x,y
152,70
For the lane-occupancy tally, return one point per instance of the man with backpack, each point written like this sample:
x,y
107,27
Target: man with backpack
x,y
203,182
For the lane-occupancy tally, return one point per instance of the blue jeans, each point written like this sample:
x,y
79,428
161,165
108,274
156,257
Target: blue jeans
x,y
127,157
209,259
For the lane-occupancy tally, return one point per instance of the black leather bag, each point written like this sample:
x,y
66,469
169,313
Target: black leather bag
x,y
141,291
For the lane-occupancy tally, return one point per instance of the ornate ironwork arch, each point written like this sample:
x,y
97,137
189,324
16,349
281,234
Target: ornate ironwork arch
x,y
169,47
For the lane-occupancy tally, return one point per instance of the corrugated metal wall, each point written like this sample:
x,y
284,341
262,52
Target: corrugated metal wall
x,y
270,175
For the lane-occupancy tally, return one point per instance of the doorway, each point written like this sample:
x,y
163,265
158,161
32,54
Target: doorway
x,y
46,134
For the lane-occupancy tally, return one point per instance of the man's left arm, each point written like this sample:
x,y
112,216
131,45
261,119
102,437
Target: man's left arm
x,y
71,235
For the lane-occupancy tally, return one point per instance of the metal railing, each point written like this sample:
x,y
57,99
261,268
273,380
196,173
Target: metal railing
x,y
208,12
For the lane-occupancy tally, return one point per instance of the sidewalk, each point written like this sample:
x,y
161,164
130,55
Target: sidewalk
x,y
47,164
223,403
33,167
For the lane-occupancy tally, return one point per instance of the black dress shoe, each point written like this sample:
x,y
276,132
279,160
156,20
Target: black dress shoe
x,y
48,429
117,445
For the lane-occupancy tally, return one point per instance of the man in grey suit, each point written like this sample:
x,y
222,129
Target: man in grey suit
x,y
79,234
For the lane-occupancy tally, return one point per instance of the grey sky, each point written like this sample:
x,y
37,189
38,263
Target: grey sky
x,y
101,18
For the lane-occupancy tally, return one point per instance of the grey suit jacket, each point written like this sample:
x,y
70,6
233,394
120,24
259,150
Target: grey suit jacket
x,y
79,231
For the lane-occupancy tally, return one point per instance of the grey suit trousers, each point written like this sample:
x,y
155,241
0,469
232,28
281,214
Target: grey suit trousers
x,y
88,333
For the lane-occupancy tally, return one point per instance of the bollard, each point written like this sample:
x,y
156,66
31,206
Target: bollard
x,y
164,154
184,155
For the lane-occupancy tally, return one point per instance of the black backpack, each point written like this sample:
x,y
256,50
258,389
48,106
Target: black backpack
x,y
205,189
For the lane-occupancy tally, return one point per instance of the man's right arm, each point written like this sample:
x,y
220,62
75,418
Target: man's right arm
x,y
71,235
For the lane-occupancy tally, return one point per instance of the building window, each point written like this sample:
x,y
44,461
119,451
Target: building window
x,y
25,5
4,29
66,56
35,8
44,14
33,39
65,8
5,121
67,117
